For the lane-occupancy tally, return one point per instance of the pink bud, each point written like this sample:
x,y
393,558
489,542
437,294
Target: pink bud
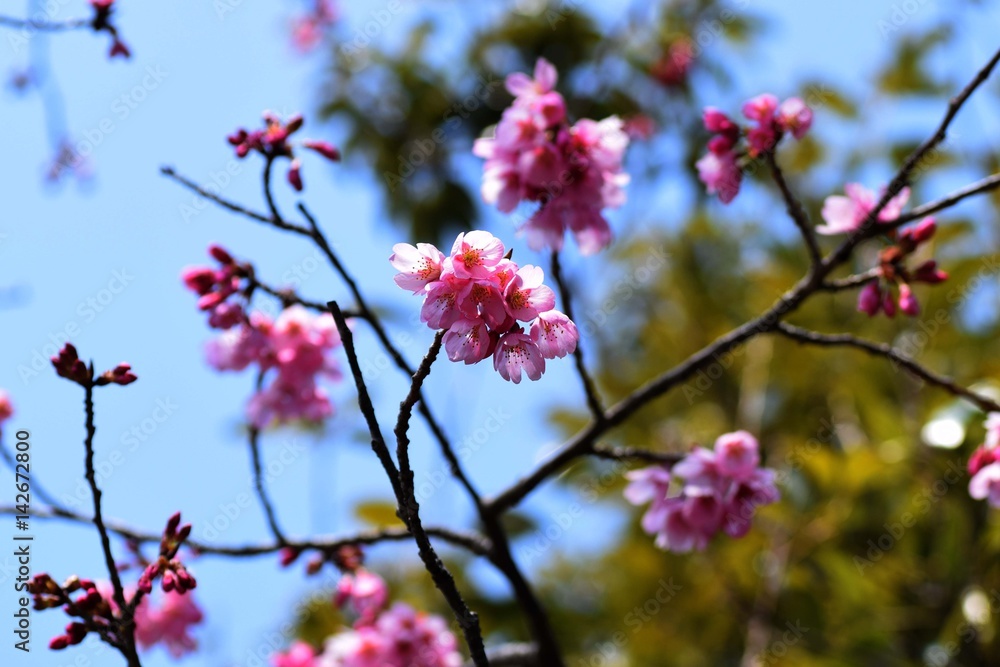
x,y
199,279
220,254
888,305
172,523
721,144
295,175
288,555
169,582
907,301
59,643
981,458
327,150
294,123
924,230
118,48
237,137
929,273
716,121
760,108
870,299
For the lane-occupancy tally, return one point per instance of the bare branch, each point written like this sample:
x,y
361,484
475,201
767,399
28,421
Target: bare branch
x,y
881,349
795,211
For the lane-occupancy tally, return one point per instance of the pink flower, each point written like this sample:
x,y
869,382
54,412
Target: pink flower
x,y
273,142
527,296
475,254
736,455
365,592
985,484
845,214
672,68
169,624
721,491
299,654
417,266
573,172
760,108
441,302
400,637
721,175
554,334
517,353
468,341
795,117
6,407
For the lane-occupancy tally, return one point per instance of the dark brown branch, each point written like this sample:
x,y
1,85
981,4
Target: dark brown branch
x,y
471,542
235,208
253,438
403,483
850,282
795,211
268,195
881,349
985,185
593,400
128,626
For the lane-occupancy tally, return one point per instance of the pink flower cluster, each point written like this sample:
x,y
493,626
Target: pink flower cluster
x,y
720,168
720,491
984,465
380,637
573,171
844,214
308,30
293,349
876,296
167,567
102,21
479,295
272,142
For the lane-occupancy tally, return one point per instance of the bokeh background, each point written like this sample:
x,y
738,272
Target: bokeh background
x,y
860,443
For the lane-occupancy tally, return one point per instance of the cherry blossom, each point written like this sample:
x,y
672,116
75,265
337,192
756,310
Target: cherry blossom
x,y
717,490
845,213
299,654
168,623
984,465
573,171
479,296
364,592
720,169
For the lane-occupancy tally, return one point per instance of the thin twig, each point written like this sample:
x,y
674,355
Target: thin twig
x,y
635,454
443,579
471,542
795,211
235,208
268,195
127,622
881,349
593,400
850,282
253,439
985,185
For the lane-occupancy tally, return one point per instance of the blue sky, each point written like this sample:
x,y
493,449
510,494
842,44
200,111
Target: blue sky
x,y
102,262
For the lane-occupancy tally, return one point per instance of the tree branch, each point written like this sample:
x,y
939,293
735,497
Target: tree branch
x,y
593,400
881,349
795,211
